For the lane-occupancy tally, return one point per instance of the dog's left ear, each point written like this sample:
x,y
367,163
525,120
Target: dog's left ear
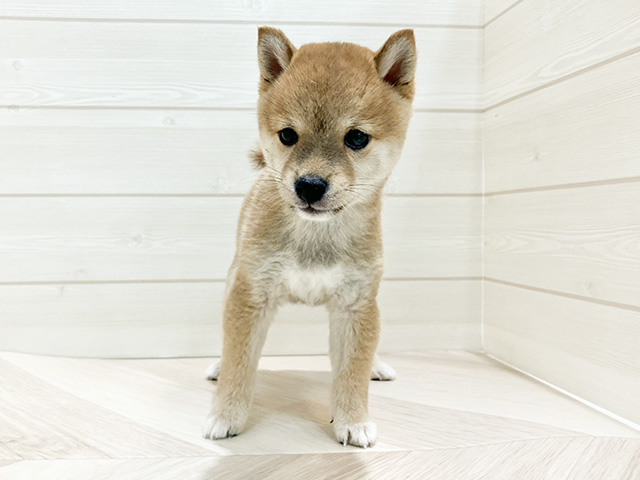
x,y
274,52
396,62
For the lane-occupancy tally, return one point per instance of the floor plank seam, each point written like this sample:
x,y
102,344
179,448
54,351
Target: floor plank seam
x,y
348,450
564,78
506,442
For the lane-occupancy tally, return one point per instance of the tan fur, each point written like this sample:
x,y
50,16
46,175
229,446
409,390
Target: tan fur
x,y
335,259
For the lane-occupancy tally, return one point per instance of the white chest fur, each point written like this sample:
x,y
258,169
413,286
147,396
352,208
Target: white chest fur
x,y
313,285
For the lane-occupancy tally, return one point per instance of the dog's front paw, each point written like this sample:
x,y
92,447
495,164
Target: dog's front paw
x,y
213,371
219,425
225,421
358,434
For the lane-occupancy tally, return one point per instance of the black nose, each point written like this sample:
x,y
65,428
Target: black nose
x,y
310,188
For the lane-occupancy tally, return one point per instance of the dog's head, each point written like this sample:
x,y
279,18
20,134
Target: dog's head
x,y
333,118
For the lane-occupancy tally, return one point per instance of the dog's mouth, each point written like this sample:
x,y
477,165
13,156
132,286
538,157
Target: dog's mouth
x,y
317,212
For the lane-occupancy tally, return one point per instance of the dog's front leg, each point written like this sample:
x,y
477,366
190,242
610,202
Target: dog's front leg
x,y
245,326
354,333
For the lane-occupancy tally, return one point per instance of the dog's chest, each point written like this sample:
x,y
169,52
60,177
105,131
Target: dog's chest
x,y
313,285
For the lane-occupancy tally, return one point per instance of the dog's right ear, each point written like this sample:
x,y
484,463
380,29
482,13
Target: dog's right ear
x,y
274,53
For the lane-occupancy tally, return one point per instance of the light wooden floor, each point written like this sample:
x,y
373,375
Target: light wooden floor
x,y
450,415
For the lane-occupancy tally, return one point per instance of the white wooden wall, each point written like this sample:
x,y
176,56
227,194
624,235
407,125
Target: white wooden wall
x,y
562,207
124,131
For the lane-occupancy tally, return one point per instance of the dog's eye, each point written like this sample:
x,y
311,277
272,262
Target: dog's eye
x,y
288,136
355,139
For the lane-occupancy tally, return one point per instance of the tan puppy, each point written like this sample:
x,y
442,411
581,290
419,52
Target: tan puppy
x,y
332,118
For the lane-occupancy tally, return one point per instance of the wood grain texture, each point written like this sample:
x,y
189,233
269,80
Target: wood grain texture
x,y
50,239
476,391
583,130
587,349
581,241
198,65
200,152
409,12
564,458
291,405
159,238
593,461
289,435
542,41
7,456
184,319
40,421
290,411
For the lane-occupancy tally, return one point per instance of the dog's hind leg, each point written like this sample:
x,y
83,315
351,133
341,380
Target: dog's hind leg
x,y
213,371
379,370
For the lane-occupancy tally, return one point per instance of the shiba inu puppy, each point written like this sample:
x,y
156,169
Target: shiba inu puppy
x,y
332,120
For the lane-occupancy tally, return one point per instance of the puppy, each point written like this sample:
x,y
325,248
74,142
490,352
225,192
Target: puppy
x,y
332,120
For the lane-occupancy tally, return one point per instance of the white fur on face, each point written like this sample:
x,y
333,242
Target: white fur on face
x,y
376,168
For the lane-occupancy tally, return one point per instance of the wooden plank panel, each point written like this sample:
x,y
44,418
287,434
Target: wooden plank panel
x,y
583,130
199,152
147,238
538,42
476,383
560,458
582,241
69,427
184,319
588,349
432,237
198,65
124,238
409,12
435,314
442,154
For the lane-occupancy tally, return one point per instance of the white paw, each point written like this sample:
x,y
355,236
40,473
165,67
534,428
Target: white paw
x,y
213,371
382,371
217,426
357,434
